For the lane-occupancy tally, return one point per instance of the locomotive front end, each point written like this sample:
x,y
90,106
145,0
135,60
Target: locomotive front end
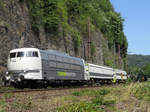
x,y
24,65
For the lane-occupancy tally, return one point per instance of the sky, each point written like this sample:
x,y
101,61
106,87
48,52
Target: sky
x,y
137,24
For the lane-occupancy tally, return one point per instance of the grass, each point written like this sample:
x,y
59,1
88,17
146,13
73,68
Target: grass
x,y
6,89
80,107
3,101
121,98
27,104
111,99
94,105
141,91
2,105
102,91
17,105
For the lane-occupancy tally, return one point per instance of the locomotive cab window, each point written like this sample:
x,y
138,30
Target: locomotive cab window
x,y
13,55
32,54
20,54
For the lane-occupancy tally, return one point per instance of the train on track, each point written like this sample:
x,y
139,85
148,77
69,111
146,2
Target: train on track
x,y
31,67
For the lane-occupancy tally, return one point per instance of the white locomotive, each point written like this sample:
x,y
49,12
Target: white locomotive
x,y
31,66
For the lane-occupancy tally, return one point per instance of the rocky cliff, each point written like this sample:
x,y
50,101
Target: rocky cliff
x,y
16,30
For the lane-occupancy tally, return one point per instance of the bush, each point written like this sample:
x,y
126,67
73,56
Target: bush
x,y
141,91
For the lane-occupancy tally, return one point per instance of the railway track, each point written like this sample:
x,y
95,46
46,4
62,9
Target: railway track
x,y
52,89
43,89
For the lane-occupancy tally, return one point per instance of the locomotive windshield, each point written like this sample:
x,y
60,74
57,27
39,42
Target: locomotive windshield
x,y
32,54
13,55
16,54
20,54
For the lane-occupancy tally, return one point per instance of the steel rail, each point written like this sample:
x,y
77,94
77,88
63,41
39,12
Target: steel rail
x,y
54,89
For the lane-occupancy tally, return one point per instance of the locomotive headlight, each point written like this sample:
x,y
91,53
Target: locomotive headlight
x,y
8,78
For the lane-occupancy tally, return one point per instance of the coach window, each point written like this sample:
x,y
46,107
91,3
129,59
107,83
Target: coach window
x,y
32,54
20,54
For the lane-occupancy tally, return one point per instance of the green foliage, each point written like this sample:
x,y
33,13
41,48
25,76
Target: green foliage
x,y
80,107
146,70
93,48
72,16
73,8
77,41
141,91
139,67
7,95
27,104
37,12
143,73
109,63
103,91
76,93
6,89
99,97
2,105
99,100
3,101
129,80
2,5
98,92
91,106
138,60
113,30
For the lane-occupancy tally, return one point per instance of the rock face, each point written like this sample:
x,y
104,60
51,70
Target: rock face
x,y
16,32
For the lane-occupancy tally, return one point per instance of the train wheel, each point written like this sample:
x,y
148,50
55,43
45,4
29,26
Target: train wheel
x,y
32,84
91,82
18,85
4,83
45,85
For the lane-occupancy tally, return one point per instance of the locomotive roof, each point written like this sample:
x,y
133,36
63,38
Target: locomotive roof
x,y
54,52
24,49
58,53
106,67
